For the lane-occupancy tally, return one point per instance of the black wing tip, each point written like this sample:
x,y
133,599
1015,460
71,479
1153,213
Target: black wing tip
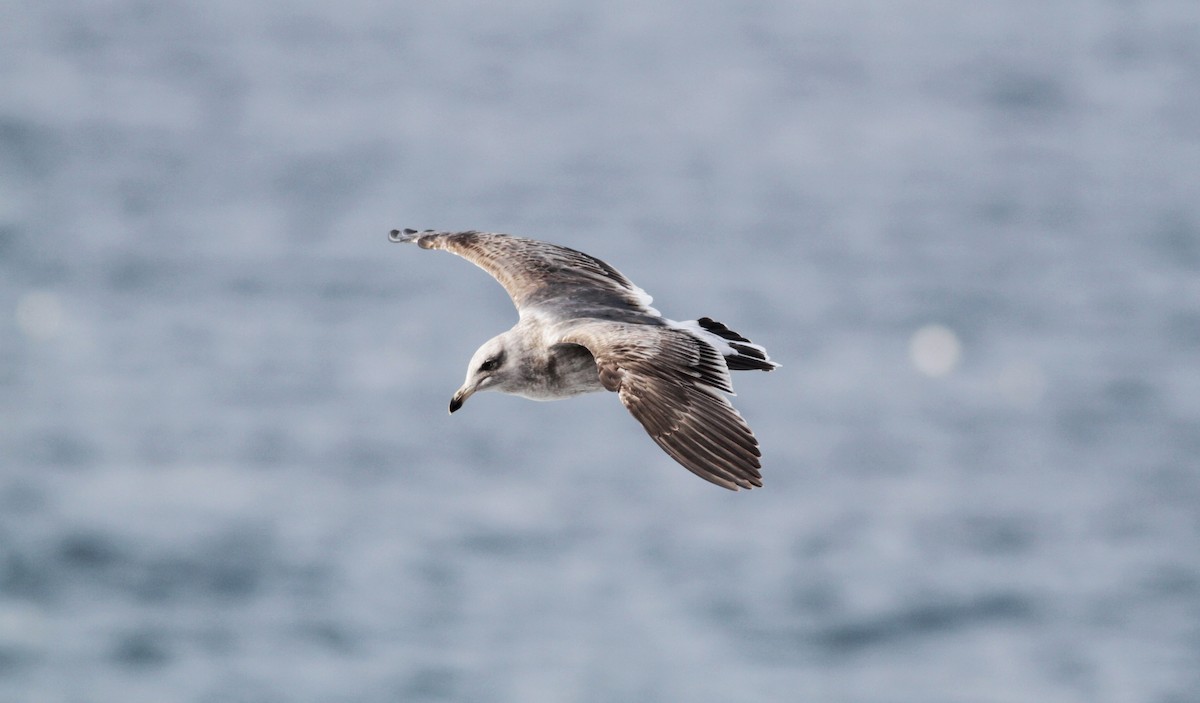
x,y
404,235
744,362
720,330
422,238
749,357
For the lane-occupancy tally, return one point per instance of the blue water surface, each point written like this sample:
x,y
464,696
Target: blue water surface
x,y
226,468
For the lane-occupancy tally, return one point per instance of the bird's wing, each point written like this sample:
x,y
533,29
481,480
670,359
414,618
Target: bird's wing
x,y
675,385
560,281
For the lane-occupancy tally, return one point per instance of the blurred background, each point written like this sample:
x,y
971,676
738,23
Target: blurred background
x,y
969,232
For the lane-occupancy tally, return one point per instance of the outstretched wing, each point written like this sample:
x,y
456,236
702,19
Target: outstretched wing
x,y
675,385
561,281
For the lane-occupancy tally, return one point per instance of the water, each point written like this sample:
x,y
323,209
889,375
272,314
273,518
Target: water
x,y
971,235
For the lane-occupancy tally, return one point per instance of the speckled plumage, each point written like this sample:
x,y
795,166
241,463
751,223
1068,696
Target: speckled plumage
x,y
585,327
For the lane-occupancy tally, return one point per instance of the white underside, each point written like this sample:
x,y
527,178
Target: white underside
x,y
644,299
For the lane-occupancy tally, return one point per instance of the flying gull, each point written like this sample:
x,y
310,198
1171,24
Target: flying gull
x,y
585,327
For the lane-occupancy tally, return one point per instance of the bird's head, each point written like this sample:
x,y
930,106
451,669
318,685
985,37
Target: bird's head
x,y
488,370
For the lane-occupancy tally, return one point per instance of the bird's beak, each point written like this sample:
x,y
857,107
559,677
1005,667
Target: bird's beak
x,y
460,397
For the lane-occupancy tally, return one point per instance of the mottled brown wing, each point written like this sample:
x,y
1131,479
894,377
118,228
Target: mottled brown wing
x,y
559,280
675,385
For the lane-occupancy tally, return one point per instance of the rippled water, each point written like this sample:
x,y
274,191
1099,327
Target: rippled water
x,y
971,235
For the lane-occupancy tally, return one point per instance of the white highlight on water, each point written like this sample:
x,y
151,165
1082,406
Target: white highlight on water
x,y
935,350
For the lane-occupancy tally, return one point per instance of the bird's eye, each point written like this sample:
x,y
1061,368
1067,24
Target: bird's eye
x,y
490,364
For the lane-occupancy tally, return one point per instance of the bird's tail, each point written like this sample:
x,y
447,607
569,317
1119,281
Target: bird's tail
x,y
740,353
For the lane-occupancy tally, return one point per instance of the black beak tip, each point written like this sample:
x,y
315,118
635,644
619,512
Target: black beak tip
x,y
455,404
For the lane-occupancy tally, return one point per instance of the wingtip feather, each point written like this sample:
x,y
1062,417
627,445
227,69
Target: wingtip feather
x,y
404,235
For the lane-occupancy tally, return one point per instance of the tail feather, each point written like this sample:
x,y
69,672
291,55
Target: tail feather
x,y
746,356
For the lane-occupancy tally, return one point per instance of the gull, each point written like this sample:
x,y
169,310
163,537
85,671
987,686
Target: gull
x,y
584,327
